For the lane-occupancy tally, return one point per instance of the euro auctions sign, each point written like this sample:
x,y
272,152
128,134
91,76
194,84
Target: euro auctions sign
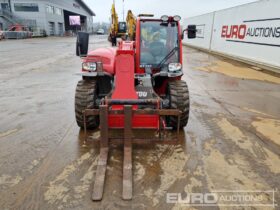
x,y
249,32
259,32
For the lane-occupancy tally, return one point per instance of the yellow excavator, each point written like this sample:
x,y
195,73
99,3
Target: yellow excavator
x,y
118,29
131,25
123,29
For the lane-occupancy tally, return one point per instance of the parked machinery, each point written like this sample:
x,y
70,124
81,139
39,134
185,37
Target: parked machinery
x,y
117,29
131,25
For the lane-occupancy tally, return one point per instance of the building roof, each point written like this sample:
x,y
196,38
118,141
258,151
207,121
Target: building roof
x,y
86,7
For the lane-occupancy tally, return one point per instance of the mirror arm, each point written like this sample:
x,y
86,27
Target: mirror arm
x,y
183,33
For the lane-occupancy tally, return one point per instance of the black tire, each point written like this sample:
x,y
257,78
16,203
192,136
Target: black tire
x,y
85,99
82,41
178,94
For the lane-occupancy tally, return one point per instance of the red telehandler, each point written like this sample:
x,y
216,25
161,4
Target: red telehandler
x,y
135,86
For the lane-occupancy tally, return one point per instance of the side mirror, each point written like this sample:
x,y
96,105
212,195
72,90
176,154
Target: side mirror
x,y
82,44
191,32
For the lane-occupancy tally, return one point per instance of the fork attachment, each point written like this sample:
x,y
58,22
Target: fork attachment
x,y
99,182
127,141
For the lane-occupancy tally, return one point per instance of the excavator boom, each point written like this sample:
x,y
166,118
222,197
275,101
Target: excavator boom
x,y
118,29
114,20
131,25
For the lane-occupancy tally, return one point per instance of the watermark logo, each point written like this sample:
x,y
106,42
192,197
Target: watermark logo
x,y
225,198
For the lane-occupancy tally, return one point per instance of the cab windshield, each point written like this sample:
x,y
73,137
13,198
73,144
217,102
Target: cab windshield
x,y
159,43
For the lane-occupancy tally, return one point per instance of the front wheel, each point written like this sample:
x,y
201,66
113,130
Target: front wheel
x,y
178,95
85,99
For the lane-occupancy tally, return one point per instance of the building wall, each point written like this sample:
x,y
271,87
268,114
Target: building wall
x,y
204,24
250,32
3,24
43,17
40,16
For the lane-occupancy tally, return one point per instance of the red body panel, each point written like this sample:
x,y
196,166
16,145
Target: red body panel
x,y
180,43
138,70
138,121
125,89
107,56
124,80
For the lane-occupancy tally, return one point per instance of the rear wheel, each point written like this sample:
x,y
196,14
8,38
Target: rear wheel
x,y
178,95
85,99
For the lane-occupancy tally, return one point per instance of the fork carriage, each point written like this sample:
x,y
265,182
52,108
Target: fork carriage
x,y
126,115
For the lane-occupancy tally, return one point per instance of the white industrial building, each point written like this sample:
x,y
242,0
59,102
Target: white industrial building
x,y
49,15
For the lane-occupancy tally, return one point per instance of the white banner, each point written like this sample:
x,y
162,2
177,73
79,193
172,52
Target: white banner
x,y
250,32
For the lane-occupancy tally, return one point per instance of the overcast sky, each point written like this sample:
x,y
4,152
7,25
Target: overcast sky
x,y
184,8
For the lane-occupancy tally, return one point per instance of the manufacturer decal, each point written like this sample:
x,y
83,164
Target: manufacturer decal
x,y
142,94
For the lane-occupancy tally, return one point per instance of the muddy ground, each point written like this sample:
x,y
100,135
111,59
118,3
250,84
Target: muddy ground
x,y
232,141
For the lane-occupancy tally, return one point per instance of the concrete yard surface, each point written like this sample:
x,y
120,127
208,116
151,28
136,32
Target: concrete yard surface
x,y
231,143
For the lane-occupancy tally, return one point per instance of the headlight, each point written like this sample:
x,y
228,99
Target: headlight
x,y
177,18
164,18
174,67
89,66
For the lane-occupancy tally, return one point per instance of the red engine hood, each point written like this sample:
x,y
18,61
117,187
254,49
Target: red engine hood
x,y
106,56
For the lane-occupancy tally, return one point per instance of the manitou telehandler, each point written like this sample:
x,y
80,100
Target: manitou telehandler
x,y
135,86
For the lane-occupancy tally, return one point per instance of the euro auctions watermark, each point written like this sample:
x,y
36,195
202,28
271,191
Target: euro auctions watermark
x,y
225,198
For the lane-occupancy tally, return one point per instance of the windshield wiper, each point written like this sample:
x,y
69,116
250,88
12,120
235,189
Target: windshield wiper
x,y
167,57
